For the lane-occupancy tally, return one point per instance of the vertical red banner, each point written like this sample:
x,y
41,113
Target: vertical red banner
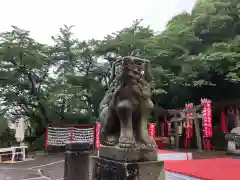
x,y
97,136
71,134
152,130
207,117
189,126
223,123
207,123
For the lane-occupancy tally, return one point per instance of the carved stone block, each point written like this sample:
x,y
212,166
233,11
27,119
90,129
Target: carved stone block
x,y
127,155
105,169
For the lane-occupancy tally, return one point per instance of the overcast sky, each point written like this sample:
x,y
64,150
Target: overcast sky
x,y
92,18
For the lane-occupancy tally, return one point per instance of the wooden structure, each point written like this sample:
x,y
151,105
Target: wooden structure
x,y
180,116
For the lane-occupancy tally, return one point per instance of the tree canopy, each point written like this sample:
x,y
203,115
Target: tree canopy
x,y
197,55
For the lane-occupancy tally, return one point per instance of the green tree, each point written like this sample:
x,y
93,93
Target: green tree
x,y
24,67
77,75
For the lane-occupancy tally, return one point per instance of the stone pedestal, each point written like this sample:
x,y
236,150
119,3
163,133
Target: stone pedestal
x,y
77,161
105,169
128,155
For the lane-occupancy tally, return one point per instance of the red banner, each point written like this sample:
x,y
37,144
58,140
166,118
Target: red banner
x,y
189,126
207,123
207,117
97,136
152,130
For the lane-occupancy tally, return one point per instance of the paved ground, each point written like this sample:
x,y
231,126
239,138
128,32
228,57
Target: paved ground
x,y
51,167
44,167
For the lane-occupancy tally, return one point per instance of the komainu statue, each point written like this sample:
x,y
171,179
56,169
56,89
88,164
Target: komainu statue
x,y
127,105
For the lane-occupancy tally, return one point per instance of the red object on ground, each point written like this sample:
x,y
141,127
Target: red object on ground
x,y
207,169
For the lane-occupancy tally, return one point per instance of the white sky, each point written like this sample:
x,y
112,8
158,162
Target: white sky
x,y
92,18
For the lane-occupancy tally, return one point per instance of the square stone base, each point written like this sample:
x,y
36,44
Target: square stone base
x,y
128,155
105,169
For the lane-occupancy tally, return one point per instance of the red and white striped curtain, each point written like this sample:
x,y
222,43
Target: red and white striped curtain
x,y
189,126
207,122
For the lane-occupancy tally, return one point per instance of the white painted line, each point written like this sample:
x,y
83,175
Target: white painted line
x,y
38,178
40,172
59,179
43,165
17,169
33,178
